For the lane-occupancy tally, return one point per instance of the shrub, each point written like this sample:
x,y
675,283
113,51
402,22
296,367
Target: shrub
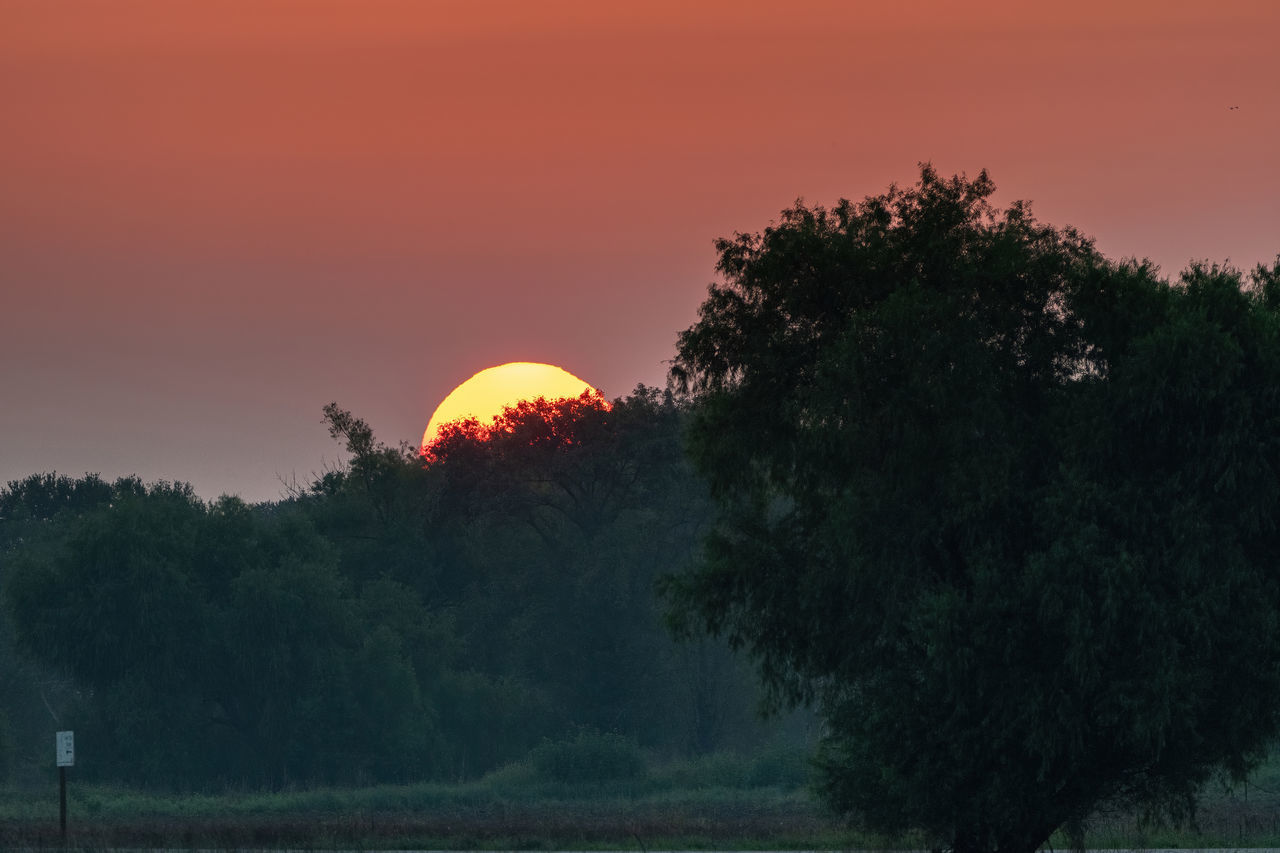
x,y
780,767
588,757
714,770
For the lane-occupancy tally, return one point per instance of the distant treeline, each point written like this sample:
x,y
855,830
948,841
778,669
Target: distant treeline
x,y
402,618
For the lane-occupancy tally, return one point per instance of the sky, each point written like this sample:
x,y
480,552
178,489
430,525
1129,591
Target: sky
x,y
217,217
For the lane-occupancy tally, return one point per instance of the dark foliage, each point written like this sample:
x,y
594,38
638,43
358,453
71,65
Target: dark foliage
x,y
216,642
1003,510
588,758
402,618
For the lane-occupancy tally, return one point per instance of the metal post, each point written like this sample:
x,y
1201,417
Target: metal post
x,y
62,802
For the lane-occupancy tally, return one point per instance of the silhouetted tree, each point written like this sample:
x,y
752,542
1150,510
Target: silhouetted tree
x,y
564,514
1003,510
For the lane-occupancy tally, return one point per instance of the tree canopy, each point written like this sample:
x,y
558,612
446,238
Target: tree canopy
x,y
1005,511
400,618
217,641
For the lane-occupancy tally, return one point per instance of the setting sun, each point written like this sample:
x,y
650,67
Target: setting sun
x,y
486,394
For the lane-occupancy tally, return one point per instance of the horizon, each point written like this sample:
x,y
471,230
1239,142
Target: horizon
x,y
219,219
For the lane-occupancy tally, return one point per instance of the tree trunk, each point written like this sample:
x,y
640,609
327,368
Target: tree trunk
x,y
1026,838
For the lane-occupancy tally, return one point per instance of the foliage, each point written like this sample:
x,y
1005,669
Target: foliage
x,y
1003,510
35,698
553,524
218,642
589,757
400,618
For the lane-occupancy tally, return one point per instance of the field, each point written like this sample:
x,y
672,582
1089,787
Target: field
x,y
465,817
701,805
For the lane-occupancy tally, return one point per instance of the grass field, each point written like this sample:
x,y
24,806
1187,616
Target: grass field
x,y
424,817
715,803
719,801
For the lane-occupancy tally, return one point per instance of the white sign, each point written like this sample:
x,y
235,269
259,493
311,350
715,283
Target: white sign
x,y
66,742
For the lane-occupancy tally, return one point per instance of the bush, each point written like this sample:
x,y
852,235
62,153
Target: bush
x,y
783,766
780,767
589,757
714,770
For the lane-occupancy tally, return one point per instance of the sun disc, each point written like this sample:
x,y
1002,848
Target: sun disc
x,y
487,393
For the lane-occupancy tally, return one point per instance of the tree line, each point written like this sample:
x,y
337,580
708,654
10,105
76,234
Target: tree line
x,y
394,620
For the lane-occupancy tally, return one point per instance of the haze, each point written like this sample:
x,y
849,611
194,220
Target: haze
x,y
215,218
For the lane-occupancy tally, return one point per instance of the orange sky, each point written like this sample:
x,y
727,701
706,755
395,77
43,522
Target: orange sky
x,y
216,217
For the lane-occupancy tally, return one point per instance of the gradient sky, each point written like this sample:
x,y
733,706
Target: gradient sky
x,y
218,216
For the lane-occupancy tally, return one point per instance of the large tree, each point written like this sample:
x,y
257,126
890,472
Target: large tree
x,y
1003,510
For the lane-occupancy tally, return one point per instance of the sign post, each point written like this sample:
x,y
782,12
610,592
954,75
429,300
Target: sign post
x,y
65,746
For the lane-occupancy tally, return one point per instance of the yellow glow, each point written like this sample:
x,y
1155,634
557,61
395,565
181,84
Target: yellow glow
x,y
486,394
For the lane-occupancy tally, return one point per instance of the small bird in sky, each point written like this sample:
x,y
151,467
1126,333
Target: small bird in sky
x,y
1233,108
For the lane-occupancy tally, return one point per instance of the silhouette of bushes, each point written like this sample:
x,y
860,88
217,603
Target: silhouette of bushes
x,y
589,756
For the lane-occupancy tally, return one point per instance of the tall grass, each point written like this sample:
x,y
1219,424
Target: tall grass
x,y
590,791
722,801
